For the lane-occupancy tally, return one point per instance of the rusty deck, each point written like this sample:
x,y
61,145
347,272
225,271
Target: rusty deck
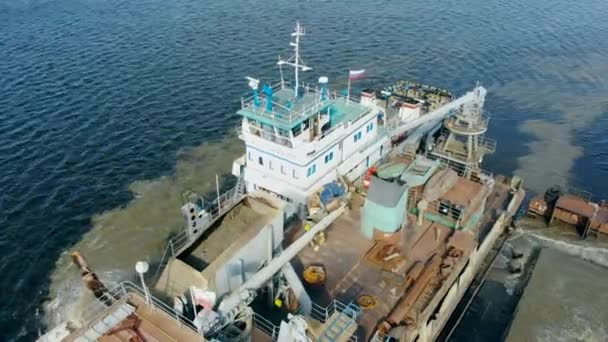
x,y
353,271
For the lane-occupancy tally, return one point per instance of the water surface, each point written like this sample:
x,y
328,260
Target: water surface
x,y
109,109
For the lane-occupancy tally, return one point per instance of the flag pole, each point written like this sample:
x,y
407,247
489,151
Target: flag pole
x,y
348,90
217,189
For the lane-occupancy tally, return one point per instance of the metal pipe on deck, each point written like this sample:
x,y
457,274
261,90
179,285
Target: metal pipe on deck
x,y
400,314
265,274
476,96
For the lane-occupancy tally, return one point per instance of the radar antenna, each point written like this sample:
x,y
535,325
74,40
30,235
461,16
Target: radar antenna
x,y
253,84
295,61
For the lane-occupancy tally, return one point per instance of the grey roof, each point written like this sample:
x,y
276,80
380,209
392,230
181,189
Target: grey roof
x,y
385,193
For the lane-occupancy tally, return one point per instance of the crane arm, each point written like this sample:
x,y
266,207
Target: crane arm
x,y
474,97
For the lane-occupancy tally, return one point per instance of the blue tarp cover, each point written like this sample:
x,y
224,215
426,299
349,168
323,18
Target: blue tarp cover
x,y
330,191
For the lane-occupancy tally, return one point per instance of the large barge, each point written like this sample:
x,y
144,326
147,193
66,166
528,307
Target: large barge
x,y
352,218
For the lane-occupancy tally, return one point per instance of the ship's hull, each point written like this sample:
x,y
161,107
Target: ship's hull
x,y
431,330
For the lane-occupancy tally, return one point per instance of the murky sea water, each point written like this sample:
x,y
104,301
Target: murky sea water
x,y
110,109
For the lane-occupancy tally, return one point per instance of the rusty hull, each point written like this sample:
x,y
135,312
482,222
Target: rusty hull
x,y
537,206
576,211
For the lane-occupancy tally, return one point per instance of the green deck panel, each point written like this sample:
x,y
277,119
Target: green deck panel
x,y
412,175
384,219
471,223
391,170
474,220
344,111
436,218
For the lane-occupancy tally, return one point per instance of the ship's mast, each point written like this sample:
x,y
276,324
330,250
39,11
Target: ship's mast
x,y
295,61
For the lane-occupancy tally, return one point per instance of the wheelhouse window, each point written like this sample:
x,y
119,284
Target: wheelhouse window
x,y
357,136
311,170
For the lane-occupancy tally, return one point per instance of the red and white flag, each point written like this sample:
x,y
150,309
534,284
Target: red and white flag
x,y
355,74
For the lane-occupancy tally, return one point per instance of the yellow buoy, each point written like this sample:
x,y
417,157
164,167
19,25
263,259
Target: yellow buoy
x,y
314,275
366,302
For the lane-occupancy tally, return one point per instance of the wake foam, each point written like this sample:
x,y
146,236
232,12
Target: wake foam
x,y
137,231
585,250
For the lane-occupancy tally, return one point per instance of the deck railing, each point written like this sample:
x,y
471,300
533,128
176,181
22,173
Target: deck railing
x,y
318,312
379,337
457,123
279,111
93,312
283,114
342,124
323,314
266,326
271,136
186,237
286,115
487,144
473,173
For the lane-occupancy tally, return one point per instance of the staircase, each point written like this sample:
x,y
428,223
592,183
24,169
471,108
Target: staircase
x,y
426,296
96,329
239,188
339,324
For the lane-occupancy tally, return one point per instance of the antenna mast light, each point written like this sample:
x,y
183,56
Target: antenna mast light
x,y
295,61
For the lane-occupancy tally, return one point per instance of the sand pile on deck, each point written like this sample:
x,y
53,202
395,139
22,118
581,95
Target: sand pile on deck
x,y
236,222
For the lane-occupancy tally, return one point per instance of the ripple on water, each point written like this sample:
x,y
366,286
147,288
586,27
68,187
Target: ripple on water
x,y
99,94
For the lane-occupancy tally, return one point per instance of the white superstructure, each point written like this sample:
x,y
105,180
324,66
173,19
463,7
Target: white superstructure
x,y
301,137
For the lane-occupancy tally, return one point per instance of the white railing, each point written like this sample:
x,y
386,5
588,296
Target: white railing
x,y
488,144
296,142
186,237
323,314
93,312
285,115
248,100
463,170
342,124
266,326
318,312
458,123
260,132
379,337
288,115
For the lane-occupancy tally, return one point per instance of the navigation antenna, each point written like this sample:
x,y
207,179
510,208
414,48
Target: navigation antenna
x,y
295,61
281,72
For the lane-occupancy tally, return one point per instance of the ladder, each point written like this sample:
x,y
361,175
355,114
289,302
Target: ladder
x,y
239,188
340,323
96,329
